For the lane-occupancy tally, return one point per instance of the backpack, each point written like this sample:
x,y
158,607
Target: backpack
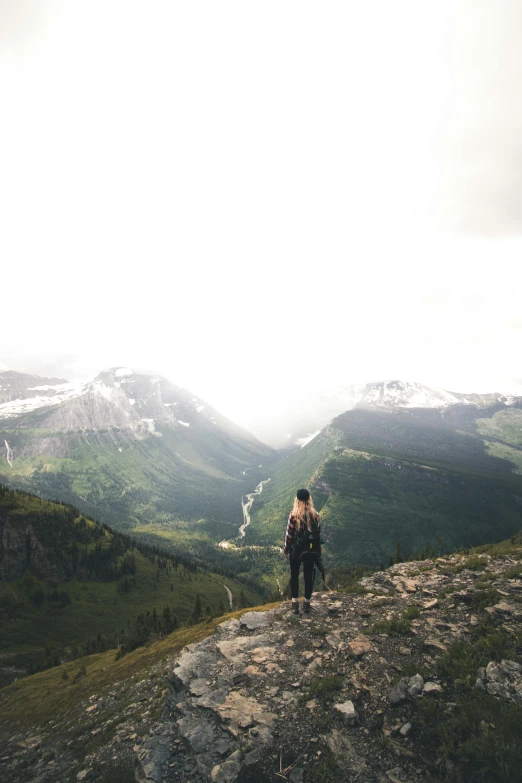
x,y
308,542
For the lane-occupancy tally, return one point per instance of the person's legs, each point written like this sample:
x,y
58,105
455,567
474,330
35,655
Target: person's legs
x,y
295,564
294,577
308,572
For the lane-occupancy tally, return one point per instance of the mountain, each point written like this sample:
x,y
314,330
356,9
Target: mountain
x,y
69,585
440,478
412,673
406,394
130,449
314,413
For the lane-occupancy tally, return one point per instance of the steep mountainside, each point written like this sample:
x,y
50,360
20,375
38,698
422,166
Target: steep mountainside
x,y
412,675
69,585
411,476
131,449
314,413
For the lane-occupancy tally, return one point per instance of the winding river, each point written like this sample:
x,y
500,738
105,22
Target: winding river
x,y
246,505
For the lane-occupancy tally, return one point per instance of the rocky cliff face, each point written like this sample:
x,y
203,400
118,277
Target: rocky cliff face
x,y
332,696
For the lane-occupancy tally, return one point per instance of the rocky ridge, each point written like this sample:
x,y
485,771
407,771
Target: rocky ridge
x,y
272,696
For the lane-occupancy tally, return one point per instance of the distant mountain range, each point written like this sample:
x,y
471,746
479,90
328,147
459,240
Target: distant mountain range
x,y
317,412
129,449
399,461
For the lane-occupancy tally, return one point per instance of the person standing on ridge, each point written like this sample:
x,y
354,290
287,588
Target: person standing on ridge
x,y
303,545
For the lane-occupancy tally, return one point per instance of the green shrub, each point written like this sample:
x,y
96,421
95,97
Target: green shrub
x,y
324,688
400,626
482,598
326,771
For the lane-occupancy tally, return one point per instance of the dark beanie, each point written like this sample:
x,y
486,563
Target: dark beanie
x,y
302,494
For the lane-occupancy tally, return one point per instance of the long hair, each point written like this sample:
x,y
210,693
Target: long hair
x,y
304,513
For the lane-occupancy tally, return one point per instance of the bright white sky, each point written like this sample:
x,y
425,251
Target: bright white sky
x,y
236,194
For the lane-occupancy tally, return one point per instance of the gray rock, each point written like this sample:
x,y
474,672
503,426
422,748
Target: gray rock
x,y
297,775
340,745
415,685
405,730
399,692
228,771
502,679
197,732
255,620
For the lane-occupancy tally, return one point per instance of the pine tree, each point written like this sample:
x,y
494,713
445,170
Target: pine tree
x,y
398,554
243,603
196,612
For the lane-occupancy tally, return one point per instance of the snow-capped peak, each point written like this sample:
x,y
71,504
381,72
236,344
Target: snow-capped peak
x,y
408,394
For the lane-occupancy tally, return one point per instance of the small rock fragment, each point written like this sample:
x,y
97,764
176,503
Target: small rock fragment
x,y
432,687
348,712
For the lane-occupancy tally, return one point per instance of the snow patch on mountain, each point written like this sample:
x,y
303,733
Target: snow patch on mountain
x,y
62,393
407,394
121,372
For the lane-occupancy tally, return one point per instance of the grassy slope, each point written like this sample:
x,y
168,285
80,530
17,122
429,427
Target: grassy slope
x,y
380,477
45,695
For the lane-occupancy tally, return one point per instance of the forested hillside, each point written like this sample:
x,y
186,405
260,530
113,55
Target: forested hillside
x,y
70,586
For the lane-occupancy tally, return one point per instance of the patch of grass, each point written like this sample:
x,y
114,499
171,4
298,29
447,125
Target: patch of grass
x,y
325,688
326,771
513,573
121,771
447,591
354,590
510,546
399,626
482,598
481,737
318,630
473,563
485,579
383,602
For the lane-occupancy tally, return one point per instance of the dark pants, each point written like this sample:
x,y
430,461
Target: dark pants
x,y
308,573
